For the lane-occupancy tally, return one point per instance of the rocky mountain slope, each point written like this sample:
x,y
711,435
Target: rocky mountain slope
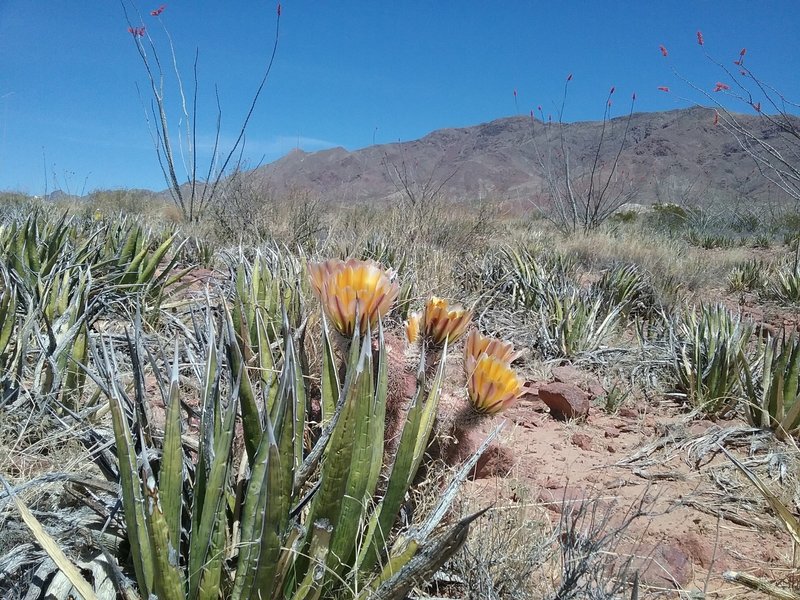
x,y
668,157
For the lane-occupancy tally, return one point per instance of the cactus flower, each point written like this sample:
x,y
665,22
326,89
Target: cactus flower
x,y
353,293
444,322
493,385
477,345
413,326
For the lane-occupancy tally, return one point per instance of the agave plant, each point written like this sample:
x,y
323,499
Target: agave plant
x,y
528,275
784,285
771,386
574,321
626,286
11,340
708,358
280,518
747,276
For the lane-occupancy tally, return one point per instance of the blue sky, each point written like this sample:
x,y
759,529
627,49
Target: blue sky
x,y
348,73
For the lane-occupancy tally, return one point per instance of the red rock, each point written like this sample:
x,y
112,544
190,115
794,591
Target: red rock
x,y
497,461
596,389
530,389
565,400
628,413
567,374
582,441
669,565
611,432
557,499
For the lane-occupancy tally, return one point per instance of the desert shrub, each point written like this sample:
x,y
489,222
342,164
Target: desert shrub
x,y
503,557
707,358
245,211
710,241
15,205
762,240
791,239
624,216
119,203
668,217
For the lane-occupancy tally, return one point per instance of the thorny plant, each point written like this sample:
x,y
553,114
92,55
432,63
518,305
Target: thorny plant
x,y
201,187
581,198
775,145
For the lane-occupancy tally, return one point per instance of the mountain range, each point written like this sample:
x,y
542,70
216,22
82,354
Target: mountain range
x,y
674,156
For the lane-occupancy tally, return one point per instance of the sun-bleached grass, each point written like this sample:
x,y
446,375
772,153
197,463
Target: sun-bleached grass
x,y
457,254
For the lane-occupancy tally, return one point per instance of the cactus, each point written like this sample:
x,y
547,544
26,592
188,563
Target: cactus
x,y
304,522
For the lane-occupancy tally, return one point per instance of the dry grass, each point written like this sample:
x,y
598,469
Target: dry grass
x,y
514,550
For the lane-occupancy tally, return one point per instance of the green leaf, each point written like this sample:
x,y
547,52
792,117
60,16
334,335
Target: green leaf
x,y
213,500
171,473
132,498
167,578
330,387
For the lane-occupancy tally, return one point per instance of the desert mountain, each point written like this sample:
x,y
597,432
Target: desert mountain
x,y
673,156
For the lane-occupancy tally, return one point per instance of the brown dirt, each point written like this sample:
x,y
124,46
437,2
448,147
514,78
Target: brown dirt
x,y
681,544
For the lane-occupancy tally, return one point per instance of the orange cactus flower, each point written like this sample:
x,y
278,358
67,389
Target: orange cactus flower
x,y
443,322
478,345
413,327
493,385
355,293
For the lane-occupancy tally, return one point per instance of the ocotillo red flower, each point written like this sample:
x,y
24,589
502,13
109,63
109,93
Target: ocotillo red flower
x,y
136,31
757,106
663,50
663,88
720,87
158,11
700,37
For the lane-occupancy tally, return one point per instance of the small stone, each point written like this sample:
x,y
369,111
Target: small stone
x,y
565,400
567,374
611,432
497,461
596,389
582,441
